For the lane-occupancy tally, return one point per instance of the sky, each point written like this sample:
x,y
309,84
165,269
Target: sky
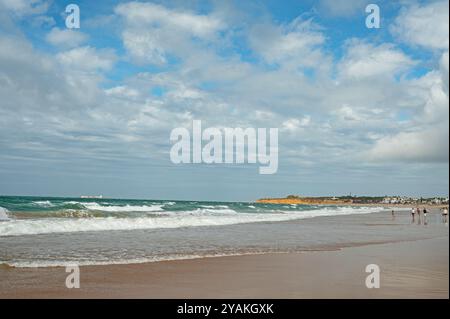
x,y
89,111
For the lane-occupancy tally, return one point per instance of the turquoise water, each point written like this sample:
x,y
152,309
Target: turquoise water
x,y
52,206
43,215
46,231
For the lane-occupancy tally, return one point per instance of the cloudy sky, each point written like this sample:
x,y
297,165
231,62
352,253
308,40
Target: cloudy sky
x,y
90,111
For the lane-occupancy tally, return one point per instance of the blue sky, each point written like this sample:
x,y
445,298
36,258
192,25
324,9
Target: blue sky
x,y
90,111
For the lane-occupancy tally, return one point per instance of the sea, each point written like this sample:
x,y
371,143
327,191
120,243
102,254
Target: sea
x,y
55,231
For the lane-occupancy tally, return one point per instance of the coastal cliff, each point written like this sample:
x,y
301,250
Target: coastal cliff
x,y
357,200
305,201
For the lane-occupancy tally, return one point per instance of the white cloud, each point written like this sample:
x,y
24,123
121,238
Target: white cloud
x,y
364,60
153,32
66,38
123,91
298,41
147,14
144,46
25,7
430,145
52,99
293,125
15,50
43,21
87,59
347,113
36,86
426,138
426,25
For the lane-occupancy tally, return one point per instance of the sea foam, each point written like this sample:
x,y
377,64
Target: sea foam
x,y
125,208
3,214
199,217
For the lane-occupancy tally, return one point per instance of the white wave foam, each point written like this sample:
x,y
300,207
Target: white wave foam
x,y
200,217
212,211
126,208
3,214
44,203
143,260
170,203
215,206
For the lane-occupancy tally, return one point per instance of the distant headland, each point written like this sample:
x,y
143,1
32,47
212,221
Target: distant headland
x,y
356,200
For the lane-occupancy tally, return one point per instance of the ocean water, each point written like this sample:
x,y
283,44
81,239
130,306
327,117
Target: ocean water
x,y
41,232
33,216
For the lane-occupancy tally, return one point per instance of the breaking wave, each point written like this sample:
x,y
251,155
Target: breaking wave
x,y
167,219
3,214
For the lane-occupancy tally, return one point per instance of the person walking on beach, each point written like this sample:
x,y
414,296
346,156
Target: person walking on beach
x,y
413,213
425,212
393,215
444,214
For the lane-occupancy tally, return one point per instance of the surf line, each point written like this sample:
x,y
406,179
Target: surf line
x,y
225,146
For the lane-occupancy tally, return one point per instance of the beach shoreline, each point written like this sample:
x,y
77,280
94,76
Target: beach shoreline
x,y
409,269
413,261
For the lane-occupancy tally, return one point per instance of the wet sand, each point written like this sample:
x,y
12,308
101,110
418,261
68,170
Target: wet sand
x,y
414,269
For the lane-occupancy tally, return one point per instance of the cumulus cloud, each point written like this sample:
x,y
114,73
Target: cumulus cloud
x,y
20,67
144,46
43,21
365,60
87,59
296,40
65,38
64,106
347,113
123,91
154,32
25,7
293,125
138,13
424,25
430,145
426,139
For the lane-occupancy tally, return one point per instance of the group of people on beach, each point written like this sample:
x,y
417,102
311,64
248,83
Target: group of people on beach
x,y
424,211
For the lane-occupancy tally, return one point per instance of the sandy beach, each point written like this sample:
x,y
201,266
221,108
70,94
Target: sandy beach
x,y
408,269
186,150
